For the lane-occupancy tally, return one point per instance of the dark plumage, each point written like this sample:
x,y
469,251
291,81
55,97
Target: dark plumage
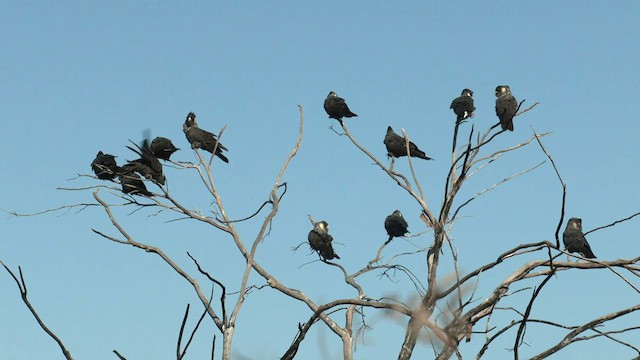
x,y
396,225
397,146
148,165
336,107
202,139
574,240
131,182
506,106
162,148
320,241
463,105
104,166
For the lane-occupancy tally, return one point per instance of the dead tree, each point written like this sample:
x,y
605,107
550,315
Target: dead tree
x,y
447,311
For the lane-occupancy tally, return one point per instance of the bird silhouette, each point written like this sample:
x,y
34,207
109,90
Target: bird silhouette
x,y
397,146
396,225
162,148
105,166
336,107
131,182
320,241
202,139
574,240
506,107
463,105
148,165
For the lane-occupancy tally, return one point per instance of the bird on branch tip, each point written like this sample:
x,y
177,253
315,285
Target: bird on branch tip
x,y
202,139
336,107
463,106
506,106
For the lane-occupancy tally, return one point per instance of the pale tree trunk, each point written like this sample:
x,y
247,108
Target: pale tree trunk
x,y
347,347
227,336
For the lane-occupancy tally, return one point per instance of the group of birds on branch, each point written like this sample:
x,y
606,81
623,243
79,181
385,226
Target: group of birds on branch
x,y
151,152
464,108
149,166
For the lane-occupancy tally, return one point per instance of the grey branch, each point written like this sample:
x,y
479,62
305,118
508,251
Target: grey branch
x,y
22,286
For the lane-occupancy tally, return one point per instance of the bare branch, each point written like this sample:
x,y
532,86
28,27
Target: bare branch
x,y
455,213
564,187
161,254
224,289
613,223
22,287
571,337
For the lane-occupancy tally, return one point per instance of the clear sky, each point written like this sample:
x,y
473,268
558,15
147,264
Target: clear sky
x,y
78,77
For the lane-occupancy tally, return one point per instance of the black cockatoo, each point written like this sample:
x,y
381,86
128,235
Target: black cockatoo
x,y
396,225
336,107
105,166
320,241
202,139
506,106
574,240
463,106
162,148
397,146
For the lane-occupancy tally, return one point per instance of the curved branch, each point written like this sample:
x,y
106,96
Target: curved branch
x,y
571,337
22,286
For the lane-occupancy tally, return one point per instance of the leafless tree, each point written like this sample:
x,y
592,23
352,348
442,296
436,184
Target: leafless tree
x,y
447,311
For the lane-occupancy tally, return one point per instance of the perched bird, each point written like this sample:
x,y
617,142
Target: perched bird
x,y
202,139
320,241
148,165
506,106
574,240
131,182
396,225
104,166
162,148
336,107
463,106
397,146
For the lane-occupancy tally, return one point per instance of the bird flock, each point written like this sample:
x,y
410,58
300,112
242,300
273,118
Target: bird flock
x,y
149,167
464,108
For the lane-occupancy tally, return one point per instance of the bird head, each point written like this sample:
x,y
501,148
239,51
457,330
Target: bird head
x,y
502,90
575,223
397,213
191,120
332,95
467,92
321,227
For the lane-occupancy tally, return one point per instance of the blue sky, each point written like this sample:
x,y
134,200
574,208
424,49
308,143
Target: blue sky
x,y
79,77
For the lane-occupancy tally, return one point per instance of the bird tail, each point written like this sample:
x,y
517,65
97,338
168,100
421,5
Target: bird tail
x,y
507,125
222,157
388,241
588,253
420,154
328,253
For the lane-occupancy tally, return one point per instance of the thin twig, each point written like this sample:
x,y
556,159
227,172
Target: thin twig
x,y
613,223
22,286
564,187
